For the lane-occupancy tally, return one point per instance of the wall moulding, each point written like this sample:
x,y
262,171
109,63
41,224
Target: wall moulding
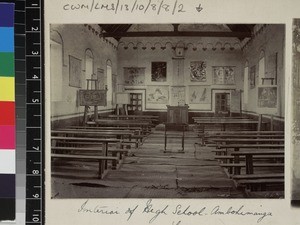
x,y
197,46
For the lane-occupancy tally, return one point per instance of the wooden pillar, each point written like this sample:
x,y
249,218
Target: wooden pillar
x,y
259,122
272,123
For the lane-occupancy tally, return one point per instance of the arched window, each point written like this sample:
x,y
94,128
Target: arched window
x,y
56,66
246,82
89,68
109,83
261,67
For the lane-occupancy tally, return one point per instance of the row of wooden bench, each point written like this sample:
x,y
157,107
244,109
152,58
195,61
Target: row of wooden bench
x,y
227,122
95,144
237,150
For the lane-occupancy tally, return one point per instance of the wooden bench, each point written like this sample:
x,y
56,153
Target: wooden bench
x,y
219,141
258,176
136,130
146,126
223,148
208,138
251,153
103,142
93,150
231,157
122,135
255,125
152,119
237,166
255,184
101,159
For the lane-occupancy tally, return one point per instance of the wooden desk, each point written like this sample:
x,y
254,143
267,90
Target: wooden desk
x,y
205,138
239,146
104,142
249,157
247,140
177,114
136,130
104,133
146,126
225,122
155,118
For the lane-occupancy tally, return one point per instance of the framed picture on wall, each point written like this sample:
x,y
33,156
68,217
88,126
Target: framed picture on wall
x,y
178,95
134,76
267,97
200,94
224,74
159,71
198,71
252,76
74,72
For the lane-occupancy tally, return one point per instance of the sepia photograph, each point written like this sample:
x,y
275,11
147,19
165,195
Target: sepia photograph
x,y
170,110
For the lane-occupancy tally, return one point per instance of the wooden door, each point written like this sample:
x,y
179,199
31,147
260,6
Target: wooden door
x,y
136,102
222,104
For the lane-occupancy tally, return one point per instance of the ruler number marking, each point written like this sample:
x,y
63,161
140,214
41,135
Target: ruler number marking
x,y
34,28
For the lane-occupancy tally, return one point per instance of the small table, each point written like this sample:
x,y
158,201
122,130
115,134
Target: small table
x,y
168,127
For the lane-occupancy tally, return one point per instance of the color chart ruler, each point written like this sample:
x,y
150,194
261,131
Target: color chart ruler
x,y
34,106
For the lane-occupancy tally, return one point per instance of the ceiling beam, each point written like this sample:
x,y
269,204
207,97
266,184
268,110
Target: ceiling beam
x,y
178,34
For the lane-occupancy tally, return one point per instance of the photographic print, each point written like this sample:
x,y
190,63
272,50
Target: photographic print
x,y
198,71
159,71
172,139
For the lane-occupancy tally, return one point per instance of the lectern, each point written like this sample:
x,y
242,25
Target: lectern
x,y
178,114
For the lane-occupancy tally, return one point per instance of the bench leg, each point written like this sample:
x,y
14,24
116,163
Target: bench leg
x,y
249,164
101,169
114,162
237,170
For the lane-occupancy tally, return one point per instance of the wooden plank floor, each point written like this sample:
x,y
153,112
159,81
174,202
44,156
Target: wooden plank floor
x,y
150,173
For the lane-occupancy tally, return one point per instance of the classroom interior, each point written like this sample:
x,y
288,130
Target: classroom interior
x,y
167,110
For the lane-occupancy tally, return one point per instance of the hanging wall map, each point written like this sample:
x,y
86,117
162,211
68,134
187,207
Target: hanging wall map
x,y
223,74
267,97
199,94
74,72
134,76
198,71
157,94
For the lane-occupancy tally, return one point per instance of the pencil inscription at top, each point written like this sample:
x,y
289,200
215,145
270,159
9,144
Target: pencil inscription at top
x,y
137,6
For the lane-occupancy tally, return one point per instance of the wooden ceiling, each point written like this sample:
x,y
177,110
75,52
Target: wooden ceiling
x,y
118,31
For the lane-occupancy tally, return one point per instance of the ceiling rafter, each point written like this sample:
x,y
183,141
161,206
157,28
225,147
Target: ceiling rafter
x,y
117,31
178,34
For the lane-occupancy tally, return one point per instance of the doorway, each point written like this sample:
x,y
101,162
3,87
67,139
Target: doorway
x,y
222,104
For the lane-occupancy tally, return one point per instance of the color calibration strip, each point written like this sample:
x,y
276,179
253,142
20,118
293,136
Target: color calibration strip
x,y
7,114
